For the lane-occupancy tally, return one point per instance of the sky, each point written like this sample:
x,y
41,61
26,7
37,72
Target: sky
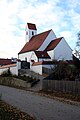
x,y
62,16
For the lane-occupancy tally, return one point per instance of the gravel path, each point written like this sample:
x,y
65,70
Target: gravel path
x,y
41,107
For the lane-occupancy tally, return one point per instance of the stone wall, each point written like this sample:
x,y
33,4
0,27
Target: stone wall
x,y
10,81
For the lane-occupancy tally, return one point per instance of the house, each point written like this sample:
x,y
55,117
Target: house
x,y
12,64
5,61
40,50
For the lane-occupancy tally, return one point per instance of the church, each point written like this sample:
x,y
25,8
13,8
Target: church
x,y
43,49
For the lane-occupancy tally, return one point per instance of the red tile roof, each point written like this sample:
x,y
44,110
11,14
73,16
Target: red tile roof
x,y
35,42
31,26
53,44
42,54
5,61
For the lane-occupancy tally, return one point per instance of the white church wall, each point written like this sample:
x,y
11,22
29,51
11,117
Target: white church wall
x,y
51,54
63,51
34,57
24,56
43,59
49,38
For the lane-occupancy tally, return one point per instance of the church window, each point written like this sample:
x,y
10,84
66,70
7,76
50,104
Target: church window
x,y
25,58
26,33
32,33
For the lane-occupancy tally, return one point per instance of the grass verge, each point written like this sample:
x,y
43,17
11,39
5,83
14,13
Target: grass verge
x,y
66,97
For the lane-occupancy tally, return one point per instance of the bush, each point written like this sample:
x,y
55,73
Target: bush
x,y
6,73
64,70
25,78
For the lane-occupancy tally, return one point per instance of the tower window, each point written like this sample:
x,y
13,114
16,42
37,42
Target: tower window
x,y
32,33
26,33
25,58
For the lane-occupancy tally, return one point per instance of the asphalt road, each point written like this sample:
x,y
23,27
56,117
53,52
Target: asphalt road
x,y
42,108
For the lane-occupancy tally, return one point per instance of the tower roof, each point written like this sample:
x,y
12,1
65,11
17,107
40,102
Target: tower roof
x,y
31,26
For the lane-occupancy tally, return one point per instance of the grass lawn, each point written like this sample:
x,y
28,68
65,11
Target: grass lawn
x,y
8,112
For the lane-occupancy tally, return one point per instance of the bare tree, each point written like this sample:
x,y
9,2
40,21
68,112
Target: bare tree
x,y
77,50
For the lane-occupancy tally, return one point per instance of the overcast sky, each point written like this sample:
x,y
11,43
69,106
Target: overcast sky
x,y
63,16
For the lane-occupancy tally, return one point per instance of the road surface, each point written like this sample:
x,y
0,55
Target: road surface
x,y
41,107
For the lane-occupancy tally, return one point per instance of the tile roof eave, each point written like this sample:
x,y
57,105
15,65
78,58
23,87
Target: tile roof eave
x,y
23,52
7,66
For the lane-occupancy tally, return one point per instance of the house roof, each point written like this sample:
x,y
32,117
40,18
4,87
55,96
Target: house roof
x,y
5,61
42,54
31,26
53,44
35,42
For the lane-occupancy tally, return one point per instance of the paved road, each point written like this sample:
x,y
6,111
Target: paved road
x,y
41,107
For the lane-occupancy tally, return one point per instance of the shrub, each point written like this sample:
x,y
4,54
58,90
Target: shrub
x,y
6,73
64,70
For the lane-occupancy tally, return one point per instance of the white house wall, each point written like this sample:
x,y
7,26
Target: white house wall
x,y
37,69
49,38
63,51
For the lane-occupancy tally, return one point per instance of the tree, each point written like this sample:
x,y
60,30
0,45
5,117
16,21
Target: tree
x,y
77,50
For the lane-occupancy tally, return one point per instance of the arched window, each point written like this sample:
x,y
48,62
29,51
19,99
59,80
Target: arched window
x,y
26,33
25,58
32,33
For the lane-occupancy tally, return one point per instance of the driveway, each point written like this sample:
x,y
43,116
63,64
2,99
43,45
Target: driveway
x,y
41,107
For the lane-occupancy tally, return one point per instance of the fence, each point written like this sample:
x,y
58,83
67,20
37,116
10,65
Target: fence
x,y
72,87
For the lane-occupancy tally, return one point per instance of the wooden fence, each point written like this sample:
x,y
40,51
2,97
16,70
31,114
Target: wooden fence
x,y
72,87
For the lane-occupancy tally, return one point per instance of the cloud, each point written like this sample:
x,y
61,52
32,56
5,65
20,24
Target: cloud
x,y
61,16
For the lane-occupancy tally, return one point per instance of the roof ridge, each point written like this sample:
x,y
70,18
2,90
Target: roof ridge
x,y
43,32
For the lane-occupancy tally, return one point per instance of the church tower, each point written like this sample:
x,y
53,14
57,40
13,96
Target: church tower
x,y
30,31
